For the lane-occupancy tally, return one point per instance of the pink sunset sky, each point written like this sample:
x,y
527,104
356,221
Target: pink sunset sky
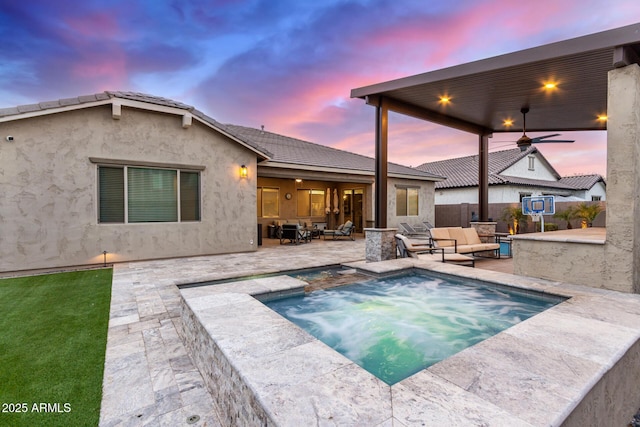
x,y
290,65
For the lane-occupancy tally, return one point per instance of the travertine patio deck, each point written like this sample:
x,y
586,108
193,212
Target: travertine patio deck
x,y
151,380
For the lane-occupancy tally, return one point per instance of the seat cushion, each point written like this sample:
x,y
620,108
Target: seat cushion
x,y
441,233
471,236
459,235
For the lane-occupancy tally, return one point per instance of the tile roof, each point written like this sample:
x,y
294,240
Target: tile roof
x,y
583,182
294,151
47,105
463,171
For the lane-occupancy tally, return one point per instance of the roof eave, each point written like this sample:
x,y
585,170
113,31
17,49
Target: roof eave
x,y
285,165
118,102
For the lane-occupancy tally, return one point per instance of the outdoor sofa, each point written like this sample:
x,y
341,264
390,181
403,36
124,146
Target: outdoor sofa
x,y
461,240
407,247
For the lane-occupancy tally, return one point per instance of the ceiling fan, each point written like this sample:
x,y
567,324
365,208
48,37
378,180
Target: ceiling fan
x,y
525,142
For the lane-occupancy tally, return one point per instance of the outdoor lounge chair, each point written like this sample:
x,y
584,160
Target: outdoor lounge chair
x,y
345,230
294,233
410,231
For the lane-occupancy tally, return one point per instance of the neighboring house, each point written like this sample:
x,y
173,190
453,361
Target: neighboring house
x,y
143,177
293,184
513,174
587,187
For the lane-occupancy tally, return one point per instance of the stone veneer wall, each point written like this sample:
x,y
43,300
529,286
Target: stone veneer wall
x,y
380,244
485,229
233,399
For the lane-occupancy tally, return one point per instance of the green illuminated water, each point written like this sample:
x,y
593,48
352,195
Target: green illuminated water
x,y
395,327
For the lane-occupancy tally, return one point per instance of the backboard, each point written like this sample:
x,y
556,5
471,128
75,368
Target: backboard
x,y
544,205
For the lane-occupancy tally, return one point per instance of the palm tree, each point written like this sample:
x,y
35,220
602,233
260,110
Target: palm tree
x,y
588,212
513,214
567,215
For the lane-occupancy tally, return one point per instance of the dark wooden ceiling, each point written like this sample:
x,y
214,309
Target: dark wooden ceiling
x,y
485,93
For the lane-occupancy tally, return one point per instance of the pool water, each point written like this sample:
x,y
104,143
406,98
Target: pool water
x,y
395,327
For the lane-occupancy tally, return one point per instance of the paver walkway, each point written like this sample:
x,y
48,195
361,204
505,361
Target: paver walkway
x,y
149,379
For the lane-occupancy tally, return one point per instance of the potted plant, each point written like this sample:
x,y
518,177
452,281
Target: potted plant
x,y
588,212
513,215
567,215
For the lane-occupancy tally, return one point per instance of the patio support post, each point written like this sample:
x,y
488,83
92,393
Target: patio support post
x,y
621,261
483,177
382,138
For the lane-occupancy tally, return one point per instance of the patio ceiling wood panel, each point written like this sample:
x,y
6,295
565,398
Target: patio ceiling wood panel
x,y
486,92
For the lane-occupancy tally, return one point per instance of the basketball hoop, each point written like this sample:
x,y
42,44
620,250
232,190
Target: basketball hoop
x,y
537,206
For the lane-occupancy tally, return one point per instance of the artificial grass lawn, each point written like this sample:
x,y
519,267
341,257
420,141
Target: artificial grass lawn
x,y
53,336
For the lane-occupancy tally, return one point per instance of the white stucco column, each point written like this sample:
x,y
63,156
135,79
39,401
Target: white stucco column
x,y
622,248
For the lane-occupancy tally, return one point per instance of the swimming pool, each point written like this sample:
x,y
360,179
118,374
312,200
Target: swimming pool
x,y
396,326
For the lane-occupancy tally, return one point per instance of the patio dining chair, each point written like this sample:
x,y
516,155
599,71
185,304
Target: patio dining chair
x,y
294,233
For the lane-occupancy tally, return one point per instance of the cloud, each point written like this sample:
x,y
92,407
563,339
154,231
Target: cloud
x,y
287,64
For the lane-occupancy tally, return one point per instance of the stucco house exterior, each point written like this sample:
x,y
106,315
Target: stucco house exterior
x,y
513,174
77,172
122,176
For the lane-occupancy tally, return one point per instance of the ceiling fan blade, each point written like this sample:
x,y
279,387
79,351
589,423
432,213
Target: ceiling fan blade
x,y
545,136
552,141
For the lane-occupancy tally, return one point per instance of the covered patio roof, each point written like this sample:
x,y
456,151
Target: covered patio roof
x,y
483,94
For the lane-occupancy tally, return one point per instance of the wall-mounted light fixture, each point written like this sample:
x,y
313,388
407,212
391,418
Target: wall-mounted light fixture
x,y
104,254
243,171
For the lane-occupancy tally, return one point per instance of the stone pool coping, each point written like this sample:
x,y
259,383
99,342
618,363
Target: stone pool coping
x,y
577,363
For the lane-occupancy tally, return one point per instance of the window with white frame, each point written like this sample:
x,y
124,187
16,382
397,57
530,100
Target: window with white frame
x,y
523,195
132,194
407,201
596,198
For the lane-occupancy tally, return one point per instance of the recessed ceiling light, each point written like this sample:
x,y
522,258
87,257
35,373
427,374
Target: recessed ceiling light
x,y
602,117
550,86
507,122
445,99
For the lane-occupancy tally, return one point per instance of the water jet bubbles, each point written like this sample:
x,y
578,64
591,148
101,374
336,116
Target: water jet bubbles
x,y
396,326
